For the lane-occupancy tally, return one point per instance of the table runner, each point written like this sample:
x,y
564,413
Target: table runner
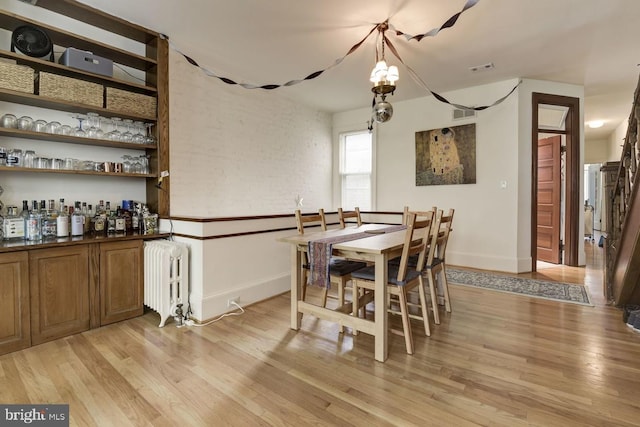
x,y
320,253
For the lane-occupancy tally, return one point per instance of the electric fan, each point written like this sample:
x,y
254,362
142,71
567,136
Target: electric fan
x,y
32,41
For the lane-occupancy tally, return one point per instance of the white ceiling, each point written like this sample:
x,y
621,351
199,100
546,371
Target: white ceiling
x,y
585,42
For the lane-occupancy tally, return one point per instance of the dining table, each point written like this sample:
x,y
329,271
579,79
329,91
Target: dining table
x,y
377,244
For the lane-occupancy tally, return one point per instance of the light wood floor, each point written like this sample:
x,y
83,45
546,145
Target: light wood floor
x,y
498,359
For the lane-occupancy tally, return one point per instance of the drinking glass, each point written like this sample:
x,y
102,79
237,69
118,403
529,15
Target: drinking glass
x,y
136,166
66,130
53,127
56,163
14,157
127,135
115,134
138,136
9,121
149,139
39,126
29,160
94,131
126,163
79,131
68,164
25,123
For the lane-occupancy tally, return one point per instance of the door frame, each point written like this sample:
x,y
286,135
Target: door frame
x,y
572,175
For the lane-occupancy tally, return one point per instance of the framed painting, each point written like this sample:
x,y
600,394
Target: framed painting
x,y
446,156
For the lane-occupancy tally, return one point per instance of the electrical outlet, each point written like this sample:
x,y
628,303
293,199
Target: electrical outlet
x,y
232,301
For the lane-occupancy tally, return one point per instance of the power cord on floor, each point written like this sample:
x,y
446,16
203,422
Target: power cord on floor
x,y
190,322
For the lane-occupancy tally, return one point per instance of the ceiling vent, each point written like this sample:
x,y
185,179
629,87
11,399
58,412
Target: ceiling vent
x,y
463,113
484,67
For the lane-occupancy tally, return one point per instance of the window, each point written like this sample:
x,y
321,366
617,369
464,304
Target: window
x,y
356,159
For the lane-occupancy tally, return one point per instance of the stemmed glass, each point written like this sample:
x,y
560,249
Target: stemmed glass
x,y
127,136
115,134
139,137
79,131
94,126
126,164
149,139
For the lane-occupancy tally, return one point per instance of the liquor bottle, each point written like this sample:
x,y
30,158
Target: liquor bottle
x,y
135,218
99,220
50,221
121,225
77,221
127,207
24,214
62,222
13,224
86,221
33,230
111,220
88,228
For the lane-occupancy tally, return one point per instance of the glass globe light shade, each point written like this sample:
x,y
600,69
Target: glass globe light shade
x,y
382,112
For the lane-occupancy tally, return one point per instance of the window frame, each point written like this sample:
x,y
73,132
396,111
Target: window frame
x,y
342,137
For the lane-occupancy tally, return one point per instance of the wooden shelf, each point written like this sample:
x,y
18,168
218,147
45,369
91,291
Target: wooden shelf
x,y
27,134
61,105
76,172
151,57
10,21
97,18
63,70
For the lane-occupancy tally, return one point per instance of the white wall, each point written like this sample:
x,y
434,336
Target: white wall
x,y
596,151
616,141
238,152
241,152
492,225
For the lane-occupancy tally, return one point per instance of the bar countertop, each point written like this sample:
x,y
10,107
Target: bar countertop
x,y
21,245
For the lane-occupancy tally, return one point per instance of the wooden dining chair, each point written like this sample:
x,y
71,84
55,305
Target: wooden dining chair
x,y
344,215
402,278
339,268
435,266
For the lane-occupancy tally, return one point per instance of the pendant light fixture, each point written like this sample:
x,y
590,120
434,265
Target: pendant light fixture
x,y
384,80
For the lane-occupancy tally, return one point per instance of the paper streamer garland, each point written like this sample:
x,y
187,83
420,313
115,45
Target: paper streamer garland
x,y
267,86
449,23
439,97
432,33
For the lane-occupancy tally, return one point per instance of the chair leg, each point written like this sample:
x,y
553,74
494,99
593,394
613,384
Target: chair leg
x,y
423,307
445,289
434,298
304,285
325,292
355,297
406,325
341,286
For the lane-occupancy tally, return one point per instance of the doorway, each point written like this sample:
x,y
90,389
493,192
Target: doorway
x,y
555,115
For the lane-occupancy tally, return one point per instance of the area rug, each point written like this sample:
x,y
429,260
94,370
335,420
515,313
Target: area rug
x,y
555,291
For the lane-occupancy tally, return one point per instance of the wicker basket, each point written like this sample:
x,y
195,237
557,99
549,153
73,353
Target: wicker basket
x,y
129,102
16,77
69,89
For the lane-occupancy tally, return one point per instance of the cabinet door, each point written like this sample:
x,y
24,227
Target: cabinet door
x,y
121,281
59,292
14,302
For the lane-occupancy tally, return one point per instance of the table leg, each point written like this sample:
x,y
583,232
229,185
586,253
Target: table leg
x,y
381,326
296,277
